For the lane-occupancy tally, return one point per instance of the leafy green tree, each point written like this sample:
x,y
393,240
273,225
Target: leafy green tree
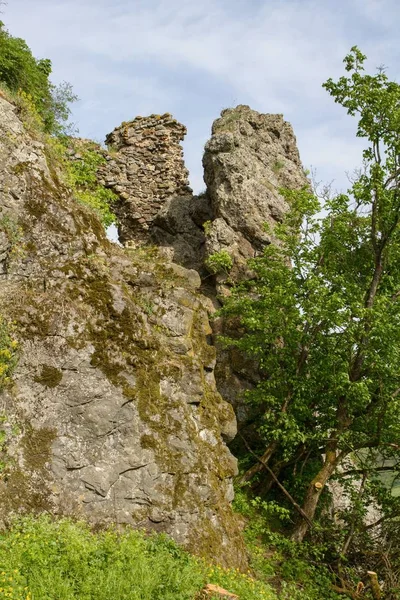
x,y
322,315
20,71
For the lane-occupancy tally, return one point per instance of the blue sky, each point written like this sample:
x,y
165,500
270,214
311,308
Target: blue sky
x,y
195,57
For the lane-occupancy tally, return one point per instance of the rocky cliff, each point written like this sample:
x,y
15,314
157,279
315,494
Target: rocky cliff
x,y
113,413
248,159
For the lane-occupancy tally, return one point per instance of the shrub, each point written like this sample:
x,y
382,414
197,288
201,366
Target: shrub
x,y
296,569
20,72
80,173
219,262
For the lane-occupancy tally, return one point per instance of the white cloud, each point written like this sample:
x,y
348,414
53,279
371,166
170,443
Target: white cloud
x,y
193,58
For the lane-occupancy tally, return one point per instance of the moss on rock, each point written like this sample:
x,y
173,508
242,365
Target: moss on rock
x,y
49,376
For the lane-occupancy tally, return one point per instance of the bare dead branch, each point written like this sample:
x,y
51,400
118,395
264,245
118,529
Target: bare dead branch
x,y
278,483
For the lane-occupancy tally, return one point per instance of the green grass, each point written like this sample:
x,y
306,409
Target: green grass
x,y
46,559
42,558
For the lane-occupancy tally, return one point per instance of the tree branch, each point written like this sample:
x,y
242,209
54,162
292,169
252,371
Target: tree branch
x,y
346,592
394,468
278,483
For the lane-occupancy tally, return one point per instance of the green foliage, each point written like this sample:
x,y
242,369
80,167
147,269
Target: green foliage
x,y
244,586
54,560
24,75
81,175
8,352
296,570
43,559
322,319
28,112
219,262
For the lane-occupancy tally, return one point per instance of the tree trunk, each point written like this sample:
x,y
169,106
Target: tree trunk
x,y
376,590
267,482
260,465
313,494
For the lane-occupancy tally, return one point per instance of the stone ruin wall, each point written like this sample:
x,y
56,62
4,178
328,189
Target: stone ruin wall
x,y
144,168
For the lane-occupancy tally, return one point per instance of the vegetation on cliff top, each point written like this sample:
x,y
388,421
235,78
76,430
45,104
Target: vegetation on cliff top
x,y
45,109
28,78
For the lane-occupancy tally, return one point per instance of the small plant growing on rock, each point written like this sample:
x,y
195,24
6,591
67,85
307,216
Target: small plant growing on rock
x,y
8,352
227,120
81,176
14,234
112,150
277,166
207,227
219,262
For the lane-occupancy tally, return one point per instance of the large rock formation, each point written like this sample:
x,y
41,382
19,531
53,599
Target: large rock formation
x,y
249,157
113,414
155,204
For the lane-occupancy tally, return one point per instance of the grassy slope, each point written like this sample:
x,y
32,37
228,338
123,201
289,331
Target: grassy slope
x,y
45,559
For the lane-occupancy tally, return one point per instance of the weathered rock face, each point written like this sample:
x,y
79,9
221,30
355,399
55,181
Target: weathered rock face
x,y
249,157
113,414
145,169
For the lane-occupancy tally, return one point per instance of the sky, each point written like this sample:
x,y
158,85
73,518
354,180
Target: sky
x,y
193,58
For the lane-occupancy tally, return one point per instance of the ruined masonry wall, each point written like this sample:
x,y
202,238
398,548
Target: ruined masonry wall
x,y
144,168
